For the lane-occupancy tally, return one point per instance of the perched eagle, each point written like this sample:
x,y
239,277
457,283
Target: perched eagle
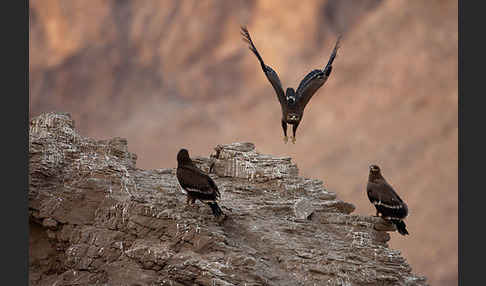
x,y
293,102
386,201
196,184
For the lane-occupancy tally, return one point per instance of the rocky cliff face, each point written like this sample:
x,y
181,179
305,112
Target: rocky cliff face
x,y
95,218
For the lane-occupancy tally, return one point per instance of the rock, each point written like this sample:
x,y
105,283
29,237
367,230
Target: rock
x,y
49,223
303,208
97,219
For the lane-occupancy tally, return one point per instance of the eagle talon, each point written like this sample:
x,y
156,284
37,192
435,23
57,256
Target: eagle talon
x,y
286,139
293,140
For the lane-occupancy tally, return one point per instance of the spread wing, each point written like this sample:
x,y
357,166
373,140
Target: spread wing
x,y
272,76
194,180
315,79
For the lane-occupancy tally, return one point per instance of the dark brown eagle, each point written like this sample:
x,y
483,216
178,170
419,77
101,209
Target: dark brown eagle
x,y
386,201
293,102
196,184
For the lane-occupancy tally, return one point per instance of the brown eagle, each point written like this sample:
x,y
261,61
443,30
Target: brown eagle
x,y
195,184
386,200
293,102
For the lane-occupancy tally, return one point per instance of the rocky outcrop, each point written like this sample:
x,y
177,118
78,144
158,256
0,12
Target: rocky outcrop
x,y
96,219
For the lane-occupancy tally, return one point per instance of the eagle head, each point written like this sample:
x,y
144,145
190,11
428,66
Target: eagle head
x,y
290,96
375,173
374,168
183,156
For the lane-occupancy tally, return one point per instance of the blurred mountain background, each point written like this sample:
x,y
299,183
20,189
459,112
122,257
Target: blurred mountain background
x,y
171,74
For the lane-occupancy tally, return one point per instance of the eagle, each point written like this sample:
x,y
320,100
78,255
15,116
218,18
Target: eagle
x,y
293,102
196,184
386,201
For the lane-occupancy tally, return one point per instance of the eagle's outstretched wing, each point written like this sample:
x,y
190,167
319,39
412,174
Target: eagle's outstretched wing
x,y
272,76
315,79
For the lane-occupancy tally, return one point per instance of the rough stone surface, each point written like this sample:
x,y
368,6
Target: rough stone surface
x,y
96,219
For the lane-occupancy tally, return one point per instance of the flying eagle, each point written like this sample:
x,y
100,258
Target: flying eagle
x,y
196,184
386,201
293,102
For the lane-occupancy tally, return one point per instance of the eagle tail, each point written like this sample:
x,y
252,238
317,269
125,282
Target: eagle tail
x,y
215,208
401,227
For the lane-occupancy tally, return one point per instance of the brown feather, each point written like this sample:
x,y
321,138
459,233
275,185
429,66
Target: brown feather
x,y
386,200
195,182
